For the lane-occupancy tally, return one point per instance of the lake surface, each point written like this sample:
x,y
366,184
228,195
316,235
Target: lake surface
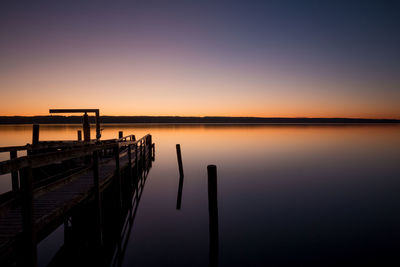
x,y
288,195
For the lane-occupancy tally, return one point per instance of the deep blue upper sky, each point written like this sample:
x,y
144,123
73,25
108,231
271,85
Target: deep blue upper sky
x,y
355,42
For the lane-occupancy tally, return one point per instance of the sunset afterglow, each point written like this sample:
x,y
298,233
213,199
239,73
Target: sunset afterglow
x,y
281,59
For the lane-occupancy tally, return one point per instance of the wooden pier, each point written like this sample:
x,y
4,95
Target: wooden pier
x,y
67,182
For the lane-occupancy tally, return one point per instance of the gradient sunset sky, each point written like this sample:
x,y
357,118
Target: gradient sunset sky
x,y
202,58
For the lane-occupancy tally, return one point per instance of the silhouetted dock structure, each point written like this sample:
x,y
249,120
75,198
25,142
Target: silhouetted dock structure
x,y
89,186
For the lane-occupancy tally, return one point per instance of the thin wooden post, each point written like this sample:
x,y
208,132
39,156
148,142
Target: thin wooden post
x,y
97,197
35,134
179,198
130,164
28,224
142,152
120,134
153,146
14,175
79,135
179,156
118,174
136,162
150,146
98,130
86,128
213,214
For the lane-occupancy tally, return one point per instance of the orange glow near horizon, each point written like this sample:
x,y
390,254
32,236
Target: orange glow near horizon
x,y
147,69
173,96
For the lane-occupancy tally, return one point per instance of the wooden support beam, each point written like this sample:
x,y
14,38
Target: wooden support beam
x,y
28,224
120,134
142,155
97,198
14,174
136,161
130,164
118,174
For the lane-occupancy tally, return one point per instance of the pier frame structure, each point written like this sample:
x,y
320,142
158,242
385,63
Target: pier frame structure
x,y
39,203
86,124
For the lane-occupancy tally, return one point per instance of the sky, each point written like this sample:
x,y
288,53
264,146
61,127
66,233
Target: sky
x,y
202,58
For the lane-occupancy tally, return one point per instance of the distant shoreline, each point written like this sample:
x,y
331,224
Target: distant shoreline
x,y
186,120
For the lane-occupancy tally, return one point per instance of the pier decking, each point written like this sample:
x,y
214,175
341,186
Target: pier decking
x,y
79,174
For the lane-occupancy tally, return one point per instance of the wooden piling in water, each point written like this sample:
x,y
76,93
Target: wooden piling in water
x,y
97,197
120,134
213,214
179,197
179,156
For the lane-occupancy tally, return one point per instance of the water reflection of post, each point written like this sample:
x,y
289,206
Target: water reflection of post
x,y
213,214
179,156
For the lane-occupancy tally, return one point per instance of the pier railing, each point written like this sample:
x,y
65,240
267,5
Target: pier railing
x,y
73,150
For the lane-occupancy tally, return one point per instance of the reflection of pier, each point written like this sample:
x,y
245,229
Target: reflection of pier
x,y
91,187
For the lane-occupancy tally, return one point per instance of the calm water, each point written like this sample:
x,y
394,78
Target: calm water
x,y
292,195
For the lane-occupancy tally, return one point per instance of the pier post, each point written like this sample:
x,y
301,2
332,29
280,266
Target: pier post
x,y
179,197
79,135
35,134
179,156
118,174
213,214
28,224
136,164
120,134
97,197
142,155
150,150
14,175
86,128
130,164
180,187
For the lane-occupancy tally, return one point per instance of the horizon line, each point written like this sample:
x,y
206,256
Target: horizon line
x,y
209,116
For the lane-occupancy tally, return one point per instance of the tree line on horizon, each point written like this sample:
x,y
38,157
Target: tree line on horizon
x,y
178,119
